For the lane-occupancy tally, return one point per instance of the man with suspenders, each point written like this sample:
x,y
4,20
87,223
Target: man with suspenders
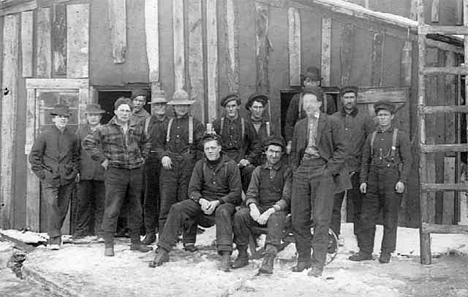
x,y
386,162
182,150
239,138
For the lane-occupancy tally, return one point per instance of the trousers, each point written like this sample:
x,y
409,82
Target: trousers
x,y
91,196
58,202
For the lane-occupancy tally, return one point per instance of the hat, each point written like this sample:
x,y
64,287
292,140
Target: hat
x,y
139,92
94,109
385,105
180,97
229,98
317,91
313,73
256,97
275,140
61,109
158,97
348,89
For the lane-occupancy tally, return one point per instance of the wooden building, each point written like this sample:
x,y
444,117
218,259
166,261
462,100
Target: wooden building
x,y
82,51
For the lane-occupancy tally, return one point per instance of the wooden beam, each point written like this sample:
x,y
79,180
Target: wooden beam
x,y
444,229
152,38
294,21
372,95
56,83
444,46
232,48
446,70
407,63
445,148
377,59
413,10
27,43
118,29
263,48
347,52
326,51
78,41
444,30
195,58
444,109
449,196
59,40
20,7
179,45
11,33
10,3
435,8
212,58
44,44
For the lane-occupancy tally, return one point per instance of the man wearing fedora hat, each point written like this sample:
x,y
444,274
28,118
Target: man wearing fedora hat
x,y
182,149
91,191
296,111
151,202
55,160
139,97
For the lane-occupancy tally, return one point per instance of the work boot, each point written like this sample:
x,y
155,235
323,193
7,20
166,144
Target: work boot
x,y
316,270
269,260
161,257
385,257
55,243
190,247
108,244
225,262
140,247
301,265
150,238
361,256
242,259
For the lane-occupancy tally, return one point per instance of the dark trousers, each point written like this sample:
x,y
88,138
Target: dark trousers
x,y
90,209
187,213
312,202
381,195
151,202
354,199
123,184
246,175
243,224
58,201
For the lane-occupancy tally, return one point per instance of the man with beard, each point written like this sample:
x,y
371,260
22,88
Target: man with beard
x,y
215,191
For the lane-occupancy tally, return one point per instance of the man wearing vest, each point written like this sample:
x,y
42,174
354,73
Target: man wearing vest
x,y
158,121
182,137
215,191
357,125
318,155
296,111
239,138
383,182
267,200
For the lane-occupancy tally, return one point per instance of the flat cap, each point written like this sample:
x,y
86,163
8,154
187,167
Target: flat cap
x,y
262,98
229,98
385,105
139,92
348,89
275,140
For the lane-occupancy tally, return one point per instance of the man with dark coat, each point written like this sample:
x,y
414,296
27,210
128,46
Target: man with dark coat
x,y
257,105
139,97
55,160
215,191
318,155
383,182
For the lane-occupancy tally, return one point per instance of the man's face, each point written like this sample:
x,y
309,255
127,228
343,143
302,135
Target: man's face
x,y
384,117
349,100
123,113
310,104
232,109
257,110
212,150
158,109
308,82
138,103
60,121
273,154
93,118
181,110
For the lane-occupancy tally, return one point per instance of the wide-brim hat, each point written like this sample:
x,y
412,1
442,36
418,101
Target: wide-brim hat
x,y
229,98
139,92
94,109
61,109
158,97
256,97
180,97
313,73
385,105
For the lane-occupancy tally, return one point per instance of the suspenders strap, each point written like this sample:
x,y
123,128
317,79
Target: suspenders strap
x,y
268,128
394,140
190,126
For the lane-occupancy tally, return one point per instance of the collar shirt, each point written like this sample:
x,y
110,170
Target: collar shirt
x,y
140,116
311,149
179,137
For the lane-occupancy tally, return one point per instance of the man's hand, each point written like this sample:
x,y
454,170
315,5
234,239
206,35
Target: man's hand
x,y
77,178
363,188
105,164
243,162
254,212
400,187
166,162
204,204
288,147
263,219
212,207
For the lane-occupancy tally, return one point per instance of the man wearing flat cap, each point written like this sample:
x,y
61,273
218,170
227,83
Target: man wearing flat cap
x,y
357,125
318,156
296,111
267,199
182,149
55,160
386,163
91,190
139,97
239,137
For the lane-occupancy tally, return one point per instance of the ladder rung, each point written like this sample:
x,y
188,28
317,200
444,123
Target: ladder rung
x,y
446,109
446,70
443,30
444,229
432,148
444,187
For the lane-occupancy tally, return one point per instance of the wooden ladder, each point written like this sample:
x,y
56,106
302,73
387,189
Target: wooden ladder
x,y
427,228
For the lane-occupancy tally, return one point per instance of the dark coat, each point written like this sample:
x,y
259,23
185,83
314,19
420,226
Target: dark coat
x,y
89,169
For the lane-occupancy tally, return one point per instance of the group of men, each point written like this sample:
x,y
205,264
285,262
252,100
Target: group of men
x,y
191,177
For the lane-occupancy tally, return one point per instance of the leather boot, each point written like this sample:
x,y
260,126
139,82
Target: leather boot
x,y
136,244
150,238
162,256
242,259
225,263
269,260
108,244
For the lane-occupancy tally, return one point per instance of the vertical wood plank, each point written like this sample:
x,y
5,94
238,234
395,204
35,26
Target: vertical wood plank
x,y
449,196
11,31
44,44
195,58
450,99
414,10
78,41
83,99
406,63
347,50
59,40
118,29
152,38
263,48
294,22
212,58
435,11
459,13
179,45
27,43
232,47
326,51
377,59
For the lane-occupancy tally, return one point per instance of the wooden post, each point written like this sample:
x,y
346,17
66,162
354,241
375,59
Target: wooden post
x,y
43,55
435,11
78,41
232,47
10,73
27,43
59,40
179,45
294,46
263,48
212,58
406,63
118,29
414,10
377,59
326,51
459,13
347,51
449,196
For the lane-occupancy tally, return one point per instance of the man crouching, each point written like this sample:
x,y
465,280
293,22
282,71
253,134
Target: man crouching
x,y
214,191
